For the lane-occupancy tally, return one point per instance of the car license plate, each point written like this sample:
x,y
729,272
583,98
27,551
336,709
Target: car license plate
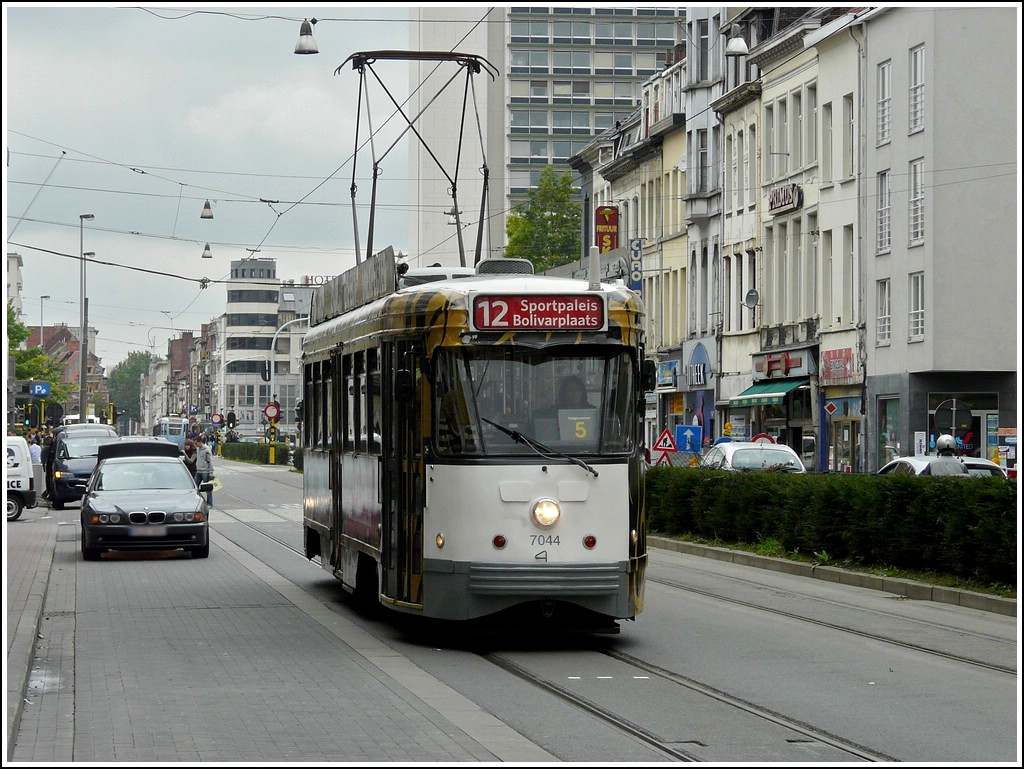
x,y
147,531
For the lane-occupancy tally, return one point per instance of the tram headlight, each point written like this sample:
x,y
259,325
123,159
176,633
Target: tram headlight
x,y
439,540
546,512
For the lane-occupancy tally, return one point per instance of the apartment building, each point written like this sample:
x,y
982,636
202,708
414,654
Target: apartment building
x,y
940,252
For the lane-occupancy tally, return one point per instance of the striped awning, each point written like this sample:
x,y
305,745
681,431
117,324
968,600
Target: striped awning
x,y
769,393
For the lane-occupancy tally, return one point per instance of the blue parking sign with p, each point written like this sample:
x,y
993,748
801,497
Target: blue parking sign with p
x,y
40,389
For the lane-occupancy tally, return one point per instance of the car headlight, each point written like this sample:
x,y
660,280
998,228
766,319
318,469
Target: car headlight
x,y
545,512
96,517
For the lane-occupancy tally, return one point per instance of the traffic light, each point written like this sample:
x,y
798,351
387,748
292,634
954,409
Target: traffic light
x,y
265,374
114,414
298,411
231,420
29,411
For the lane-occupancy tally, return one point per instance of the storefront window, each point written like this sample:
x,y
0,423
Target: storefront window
x,y
888,430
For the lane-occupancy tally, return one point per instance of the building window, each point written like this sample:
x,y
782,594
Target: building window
x,y
702,160
883,231
916,122
884,106
916,319
883,313
798,130
739,169
826,143
703,49
849,245
812,123
769,138
916,203
750,168
562,150
781,139
848,139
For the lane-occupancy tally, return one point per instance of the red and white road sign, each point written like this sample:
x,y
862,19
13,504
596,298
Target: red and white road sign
x,y
271,411
665,442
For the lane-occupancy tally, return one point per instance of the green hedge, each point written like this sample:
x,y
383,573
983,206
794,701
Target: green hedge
x,y
257,452
966,527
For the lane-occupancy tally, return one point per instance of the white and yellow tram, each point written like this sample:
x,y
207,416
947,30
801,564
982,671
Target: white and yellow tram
x,y
444,475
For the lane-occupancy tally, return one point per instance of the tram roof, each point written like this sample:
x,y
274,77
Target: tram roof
x,y
441,310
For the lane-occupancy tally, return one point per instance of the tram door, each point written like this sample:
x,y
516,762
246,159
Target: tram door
x,y
402,524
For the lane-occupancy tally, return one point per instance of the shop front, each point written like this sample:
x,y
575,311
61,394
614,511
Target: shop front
x,y
841,405
911,411
780,402
686,391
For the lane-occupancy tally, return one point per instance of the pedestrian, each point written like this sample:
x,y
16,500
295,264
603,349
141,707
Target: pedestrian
x,y
188,456
36,450
204,466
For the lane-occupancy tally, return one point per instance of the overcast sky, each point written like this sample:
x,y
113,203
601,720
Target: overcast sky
x,y
139,116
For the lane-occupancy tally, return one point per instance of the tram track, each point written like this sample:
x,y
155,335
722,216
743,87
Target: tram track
x,y
717,596
806,733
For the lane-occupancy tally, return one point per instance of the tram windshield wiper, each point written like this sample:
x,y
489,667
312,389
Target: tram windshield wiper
x,y
540,448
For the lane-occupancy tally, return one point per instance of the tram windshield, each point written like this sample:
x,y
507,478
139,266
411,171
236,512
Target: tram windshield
x,y
575,400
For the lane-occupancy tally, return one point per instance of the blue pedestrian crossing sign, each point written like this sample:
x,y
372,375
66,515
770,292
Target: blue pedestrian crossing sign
x,y
689,437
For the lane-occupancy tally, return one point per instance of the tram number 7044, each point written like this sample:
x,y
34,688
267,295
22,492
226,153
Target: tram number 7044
x,y
544,539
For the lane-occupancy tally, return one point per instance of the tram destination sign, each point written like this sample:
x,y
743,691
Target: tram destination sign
x,y
533,312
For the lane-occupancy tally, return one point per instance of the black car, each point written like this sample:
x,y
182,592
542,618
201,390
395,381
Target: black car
x,y
71,459
142,497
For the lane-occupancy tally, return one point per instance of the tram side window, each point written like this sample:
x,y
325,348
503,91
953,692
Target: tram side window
x,y
307,404
348,390
327,399
315,405
373,400
360,401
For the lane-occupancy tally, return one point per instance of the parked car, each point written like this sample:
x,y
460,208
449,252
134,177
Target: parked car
x,y
71,460
752,457
142,497
983,468
924,465
21,483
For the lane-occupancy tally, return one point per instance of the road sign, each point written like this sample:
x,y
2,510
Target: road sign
x,y
217,420
39,389
831,408
663,460
762,438
272,411
689,437
665,442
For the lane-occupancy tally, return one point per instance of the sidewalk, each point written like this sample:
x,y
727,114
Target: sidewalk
x,y
29,544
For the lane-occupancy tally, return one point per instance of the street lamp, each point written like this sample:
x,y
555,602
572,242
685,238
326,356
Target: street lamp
x,y
83,345
273,351
47,296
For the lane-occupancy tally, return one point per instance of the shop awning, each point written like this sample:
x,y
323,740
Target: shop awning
x,y
766,393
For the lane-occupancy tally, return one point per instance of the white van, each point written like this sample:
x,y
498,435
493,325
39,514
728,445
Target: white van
x,y
21,482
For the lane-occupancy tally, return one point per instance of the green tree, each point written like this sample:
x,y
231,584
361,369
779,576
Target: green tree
x,y
123,382
546,228
32,362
